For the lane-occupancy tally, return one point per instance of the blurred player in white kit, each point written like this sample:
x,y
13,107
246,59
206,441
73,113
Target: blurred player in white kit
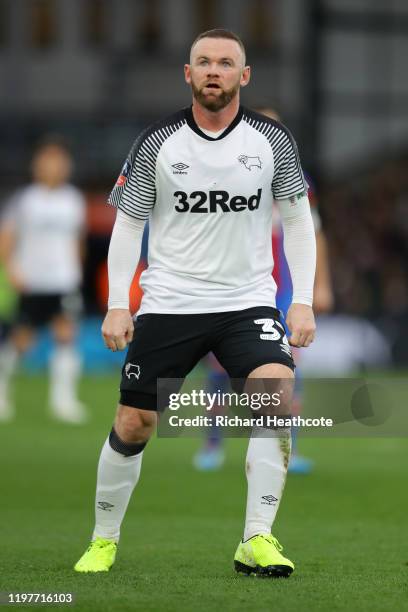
x,y
40,245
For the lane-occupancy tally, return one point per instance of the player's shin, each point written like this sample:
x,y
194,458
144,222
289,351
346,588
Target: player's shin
x,y
118,473
65,369
8,363
266,467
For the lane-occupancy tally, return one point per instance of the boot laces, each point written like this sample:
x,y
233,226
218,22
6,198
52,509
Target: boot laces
x,y
272,540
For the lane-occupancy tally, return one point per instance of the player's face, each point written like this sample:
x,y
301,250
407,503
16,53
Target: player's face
x,y
216,72
52,166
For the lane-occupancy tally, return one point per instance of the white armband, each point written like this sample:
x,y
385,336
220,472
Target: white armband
x,y
123,257
299,243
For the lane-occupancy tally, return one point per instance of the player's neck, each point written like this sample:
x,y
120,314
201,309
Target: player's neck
x,y
49,184
215,121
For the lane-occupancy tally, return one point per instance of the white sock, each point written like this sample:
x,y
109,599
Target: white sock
x,y
8,364
117,477
266,466
65,369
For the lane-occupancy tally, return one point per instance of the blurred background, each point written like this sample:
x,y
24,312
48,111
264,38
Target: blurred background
x,y
97,71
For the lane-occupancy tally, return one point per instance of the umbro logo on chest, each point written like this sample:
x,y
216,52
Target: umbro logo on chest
x,y
180,168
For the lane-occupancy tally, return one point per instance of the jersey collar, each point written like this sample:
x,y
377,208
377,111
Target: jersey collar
x,y
192,124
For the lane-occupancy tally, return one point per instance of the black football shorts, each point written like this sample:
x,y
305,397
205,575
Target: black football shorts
x,y
170,345
38,309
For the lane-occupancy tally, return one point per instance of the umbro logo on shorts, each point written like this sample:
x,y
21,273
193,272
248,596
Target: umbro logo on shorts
x,y
285,347
132,370
215,201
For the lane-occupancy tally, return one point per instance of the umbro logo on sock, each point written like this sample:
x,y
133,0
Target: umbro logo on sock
x,y
269,500
105,506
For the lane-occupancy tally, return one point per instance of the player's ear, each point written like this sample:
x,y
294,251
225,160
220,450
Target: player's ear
x,y
187,73
246,75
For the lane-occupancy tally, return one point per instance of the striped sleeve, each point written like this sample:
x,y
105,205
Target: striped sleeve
x,y
11,209
135,189
288,179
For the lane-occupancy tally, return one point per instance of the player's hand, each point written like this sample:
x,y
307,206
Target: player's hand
x,y
117,329
301,324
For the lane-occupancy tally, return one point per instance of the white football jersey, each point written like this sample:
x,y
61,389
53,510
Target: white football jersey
x,y
209,203
48,225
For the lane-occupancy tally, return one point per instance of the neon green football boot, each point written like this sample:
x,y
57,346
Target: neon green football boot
x,y
99,557
261,555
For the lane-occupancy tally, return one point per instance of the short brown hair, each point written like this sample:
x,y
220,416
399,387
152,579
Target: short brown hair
x,y
52,140
221,33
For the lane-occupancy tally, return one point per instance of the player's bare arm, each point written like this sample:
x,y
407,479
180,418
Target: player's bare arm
x,y
8,243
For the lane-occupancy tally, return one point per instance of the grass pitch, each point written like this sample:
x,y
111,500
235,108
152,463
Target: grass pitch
x,y
345,526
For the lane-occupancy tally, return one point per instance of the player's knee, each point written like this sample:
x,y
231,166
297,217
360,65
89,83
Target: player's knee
x,y
22,338
272,371
277,381
133,425
63,329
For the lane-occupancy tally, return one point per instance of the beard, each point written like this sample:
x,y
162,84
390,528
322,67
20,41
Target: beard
x,y
215,103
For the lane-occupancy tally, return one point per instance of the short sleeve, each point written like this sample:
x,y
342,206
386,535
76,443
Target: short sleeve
x,y
135,190
81,209
10,210
288,179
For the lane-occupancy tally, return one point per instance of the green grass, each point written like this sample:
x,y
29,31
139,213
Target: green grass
x,y
345,526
